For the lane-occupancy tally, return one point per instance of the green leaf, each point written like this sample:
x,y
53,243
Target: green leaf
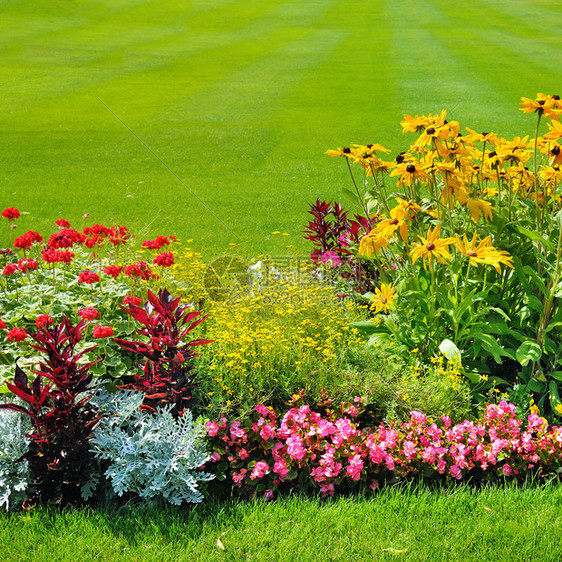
x,y
539,283
528,351
490,344
536,237
536,386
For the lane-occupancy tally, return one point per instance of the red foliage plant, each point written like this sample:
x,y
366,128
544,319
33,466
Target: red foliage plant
x,y
57,403
168,371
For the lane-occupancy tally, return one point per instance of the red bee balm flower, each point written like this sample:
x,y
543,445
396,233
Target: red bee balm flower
x,y
164,259
113,270
88,277
16,334
11,213
89,313
42,320
102,332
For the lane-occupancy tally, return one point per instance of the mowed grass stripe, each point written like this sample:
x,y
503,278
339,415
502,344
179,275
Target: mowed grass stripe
x,y
241,99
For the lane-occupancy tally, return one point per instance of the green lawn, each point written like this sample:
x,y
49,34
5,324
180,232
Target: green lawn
x,y
496,524
209,118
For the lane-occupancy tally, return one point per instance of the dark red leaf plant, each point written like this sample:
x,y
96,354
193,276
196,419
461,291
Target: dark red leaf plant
x,y
168,371
56,400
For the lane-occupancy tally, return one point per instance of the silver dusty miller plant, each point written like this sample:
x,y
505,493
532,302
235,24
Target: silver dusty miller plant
x,y
152,455
14,475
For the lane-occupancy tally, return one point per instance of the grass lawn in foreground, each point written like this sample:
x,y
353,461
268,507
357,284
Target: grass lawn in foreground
x,y
494,524
209,118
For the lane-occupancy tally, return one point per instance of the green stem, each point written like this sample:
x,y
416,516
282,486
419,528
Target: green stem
x,y
361,199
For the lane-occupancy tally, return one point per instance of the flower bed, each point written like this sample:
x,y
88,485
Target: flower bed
x,y
456,278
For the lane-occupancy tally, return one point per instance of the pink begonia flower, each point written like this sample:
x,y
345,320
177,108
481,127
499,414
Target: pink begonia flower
x,y
238,477
212,428
327,489
215,456
268,495
267,432
243,454
331,258
295,447
280,468
260,470
507,470
355,467
455,472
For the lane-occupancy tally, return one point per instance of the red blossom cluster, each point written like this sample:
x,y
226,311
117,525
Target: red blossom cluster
x,y
165,259
65,238
50,255
156,244
96,235
88,277
11,213
89,313
102,332
130,299
43,320
27,264
113,270
141,270
333,452
16,335
63,223
26,240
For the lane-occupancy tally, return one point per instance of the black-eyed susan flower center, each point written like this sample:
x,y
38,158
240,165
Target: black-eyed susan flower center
x,y
555,97
383,300
410,168
369,146
471,254
346,150
393,221
492,154
399,159
541,102
430,130
556,150
430,247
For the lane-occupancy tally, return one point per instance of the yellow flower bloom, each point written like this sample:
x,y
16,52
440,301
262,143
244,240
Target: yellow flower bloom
x,y
414,124
372,243
478,208
432,246
409,171
340,152
484,252
383,299
549,106
555,131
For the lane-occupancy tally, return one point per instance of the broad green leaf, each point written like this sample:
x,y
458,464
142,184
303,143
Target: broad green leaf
x,y
490,344
528,351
